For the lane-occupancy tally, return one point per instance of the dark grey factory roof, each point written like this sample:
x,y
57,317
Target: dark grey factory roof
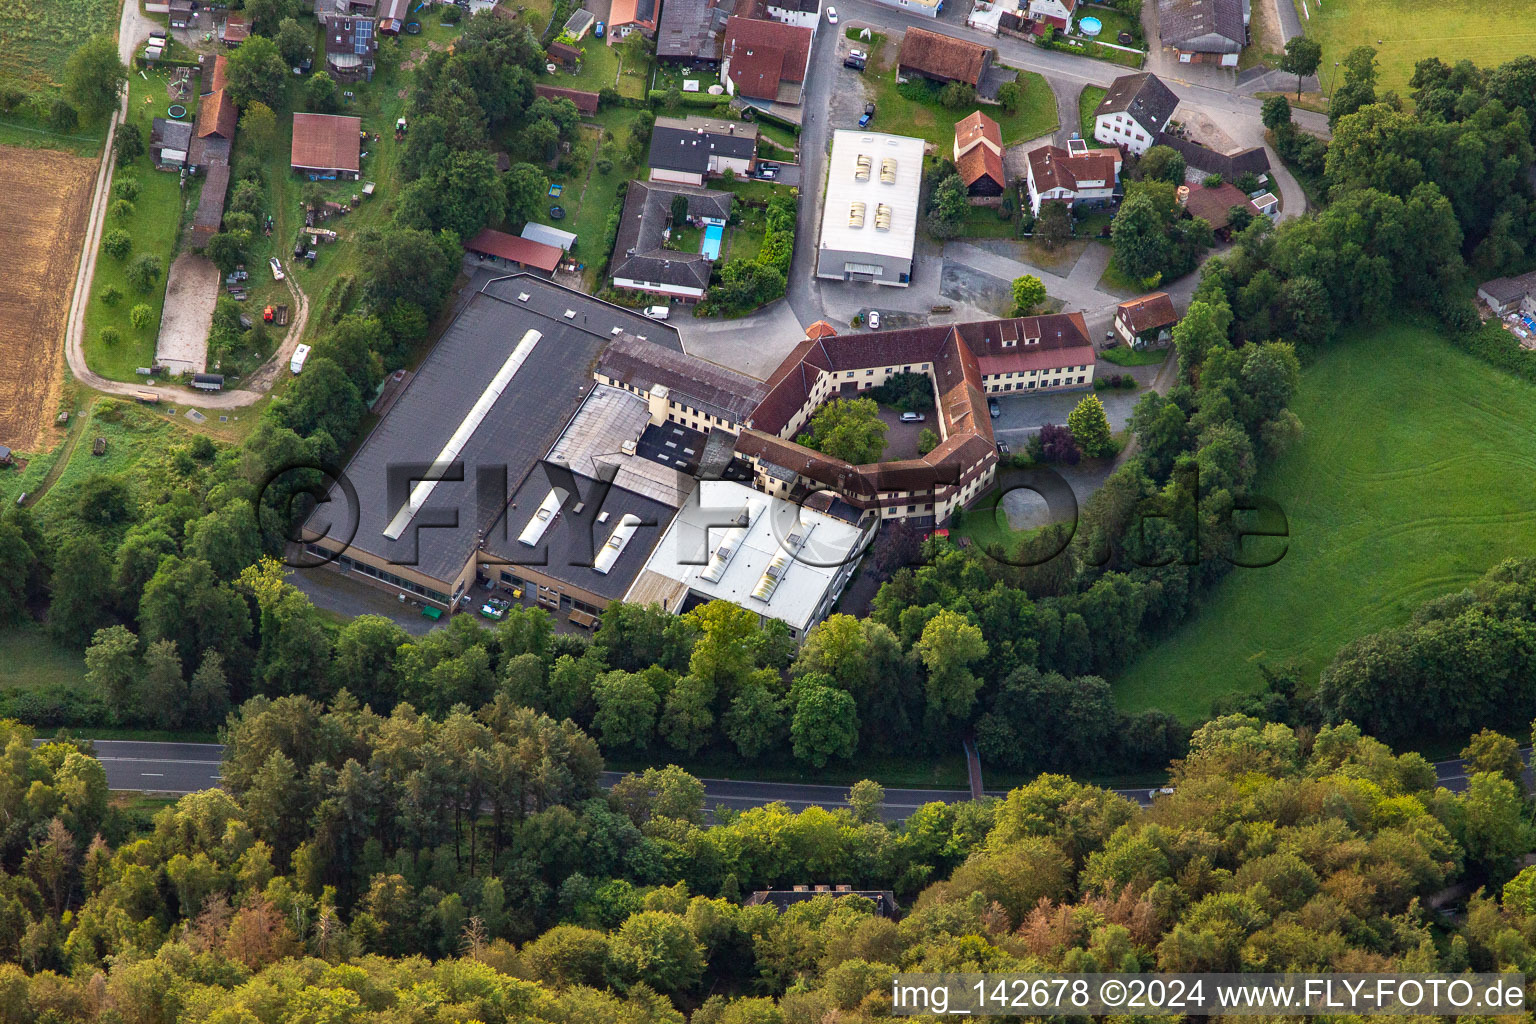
x,y
517,432
570,543
803,6
637,249
717,390
1202,26
1143,96
678,148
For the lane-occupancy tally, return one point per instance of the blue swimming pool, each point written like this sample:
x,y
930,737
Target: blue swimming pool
x,y
710,247
1090,26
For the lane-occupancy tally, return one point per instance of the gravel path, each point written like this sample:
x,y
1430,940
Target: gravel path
x,y
190,295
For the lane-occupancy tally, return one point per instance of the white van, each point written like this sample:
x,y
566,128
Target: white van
x,y
296,364
658,312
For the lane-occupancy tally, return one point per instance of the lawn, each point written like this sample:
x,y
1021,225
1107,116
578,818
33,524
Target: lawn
x,y
1124,355
1487,33
598,196
986,524
984,222
155,224
132,432
926,118
32,659
1087,102
1114,21
778,134
1408,484
599,68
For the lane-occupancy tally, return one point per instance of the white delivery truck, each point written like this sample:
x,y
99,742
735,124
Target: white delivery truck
x,y
658,312
296,364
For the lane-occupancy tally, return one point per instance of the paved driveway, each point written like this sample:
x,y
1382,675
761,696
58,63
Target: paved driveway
x,y
1024,414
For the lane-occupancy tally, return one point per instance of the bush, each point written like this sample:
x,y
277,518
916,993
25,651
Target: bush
x,y
955,95
1213,181
128,143
141,316
908,392
126,188
117,244
111,295
1058,445
110,336
143,272
62,117
10,99
1249,183
1497,347
121,209
451,15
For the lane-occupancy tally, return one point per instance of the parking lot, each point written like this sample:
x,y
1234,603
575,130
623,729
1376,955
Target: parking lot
x,y
1024,414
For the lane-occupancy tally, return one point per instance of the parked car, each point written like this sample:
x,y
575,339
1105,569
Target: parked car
x,y
769,172
1002,448
912,417
599,30
993,408
831,15
869,115
658,312
874,319
858,55
277,268
853,62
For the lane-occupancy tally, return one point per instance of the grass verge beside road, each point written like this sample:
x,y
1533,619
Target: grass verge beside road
x,y
1087,102
1386,510
1122,355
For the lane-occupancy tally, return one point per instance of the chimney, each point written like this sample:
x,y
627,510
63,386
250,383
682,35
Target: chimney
x,y
1183,195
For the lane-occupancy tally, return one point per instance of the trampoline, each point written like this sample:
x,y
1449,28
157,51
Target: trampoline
x,y
176,111
1090,26
557,212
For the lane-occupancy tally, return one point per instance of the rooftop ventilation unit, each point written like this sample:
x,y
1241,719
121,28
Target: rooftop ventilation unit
x,y
570,314
542,517
467,427
861,167
888,171
523,296
882,217
616,331
720,560
616,542
856,215
778,568
629,447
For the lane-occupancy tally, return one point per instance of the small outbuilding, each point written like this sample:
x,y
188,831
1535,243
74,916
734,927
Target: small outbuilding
x,y
520,252
1146,322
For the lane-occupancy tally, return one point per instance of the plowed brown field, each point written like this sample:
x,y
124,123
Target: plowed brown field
x,y
43,210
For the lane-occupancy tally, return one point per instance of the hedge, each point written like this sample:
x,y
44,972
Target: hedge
x,y
1498,347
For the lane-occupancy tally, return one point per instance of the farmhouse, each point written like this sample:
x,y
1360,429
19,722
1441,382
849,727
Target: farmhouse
x,y
1080,176
690,30
804,13
1508,294
1204,31
326,146
1230,166
1048,14
922,8
869,218
642,262
1146,322
764,60
169,142
626,16
349,48
1133,112
979,156
586,102
941,58
501,386
690,149
520,253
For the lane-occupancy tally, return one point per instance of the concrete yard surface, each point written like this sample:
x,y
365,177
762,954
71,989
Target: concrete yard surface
x,y
190,294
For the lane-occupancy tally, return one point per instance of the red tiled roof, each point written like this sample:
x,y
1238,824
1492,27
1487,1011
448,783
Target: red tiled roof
x,y
235,29
980,162
220,76
216,115
820,329
1053,167
627,12
586,102
325,142
763,53
1215,204
941,56
1148,312
563,52
977,128
519,250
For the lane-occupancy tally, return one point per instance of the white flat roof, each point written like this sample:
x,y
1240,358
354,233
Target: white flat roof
x,y
901,197
701,527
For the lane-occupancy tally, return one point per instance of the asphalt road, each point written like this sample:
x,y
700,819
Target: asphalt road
x,y
135,766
